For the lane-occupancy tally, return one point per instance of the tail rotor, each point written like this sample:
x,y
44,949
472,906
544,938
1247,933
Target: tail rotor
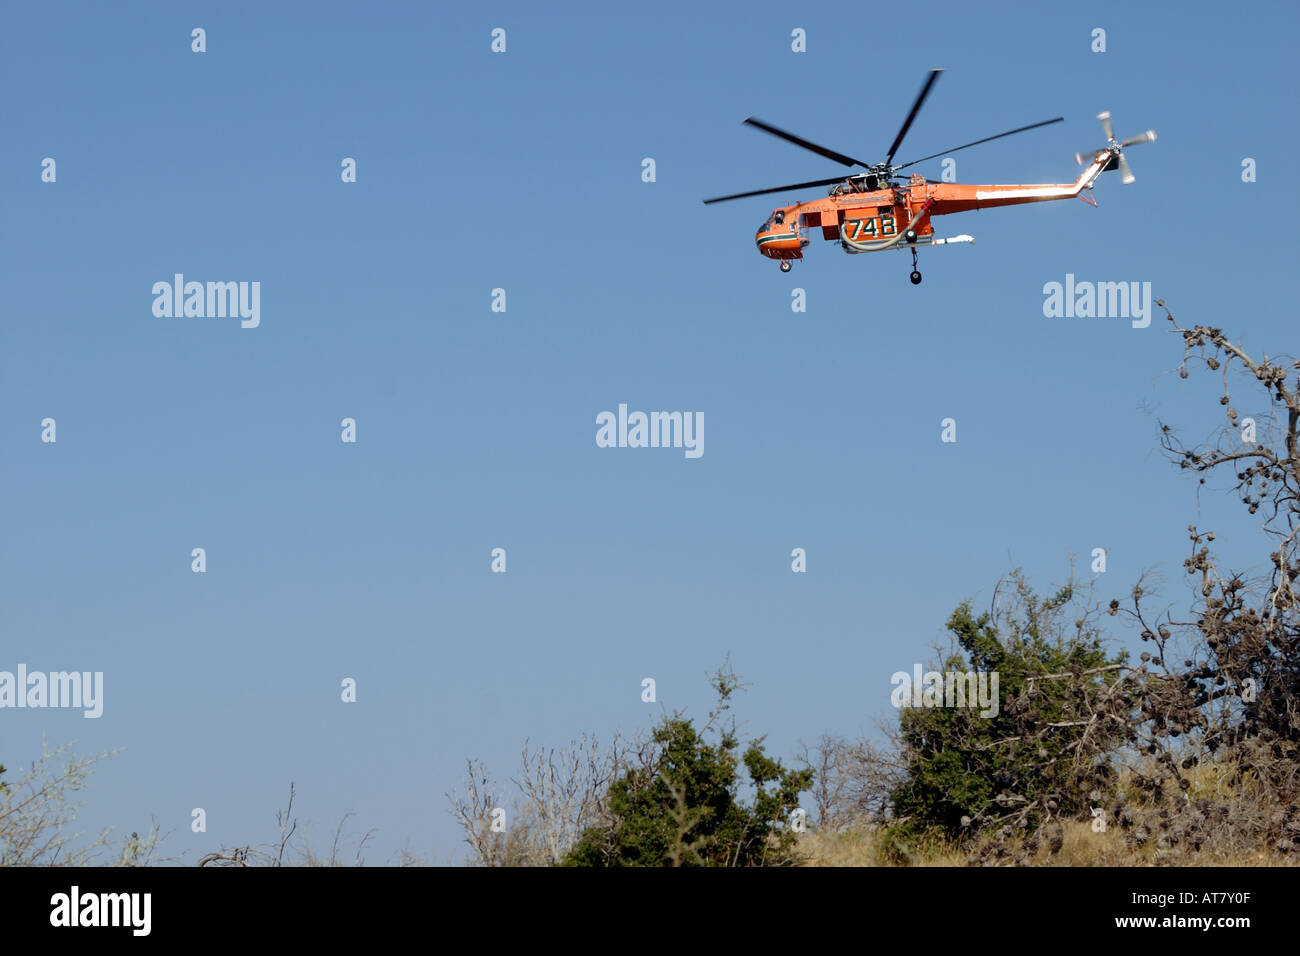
x,y
1115,148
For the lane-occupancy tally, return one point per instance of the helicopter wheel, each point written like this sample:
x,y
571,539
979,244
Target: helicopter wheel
x,y
916,277
785,265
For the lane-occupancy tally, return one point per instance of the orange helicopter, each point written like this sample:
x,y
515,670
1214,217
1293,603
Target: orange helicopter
x,y
874,211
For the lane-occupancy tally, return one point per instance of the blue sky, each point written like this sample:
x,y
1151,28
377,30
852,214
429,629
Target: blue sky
x,y
476,429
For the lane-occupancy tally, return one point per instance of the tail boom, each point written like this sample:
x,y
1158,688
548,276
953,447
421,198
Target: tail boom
x,y
952,197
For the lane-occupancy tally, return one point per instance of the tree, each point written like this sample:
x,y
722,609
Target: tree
x,y
1047,750
1233,698
683,805
1203,732
37,811
561,793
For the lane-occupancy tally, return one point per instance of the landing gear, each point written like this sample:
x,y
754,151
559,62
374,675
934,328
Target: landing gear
x,y
915,276
785,265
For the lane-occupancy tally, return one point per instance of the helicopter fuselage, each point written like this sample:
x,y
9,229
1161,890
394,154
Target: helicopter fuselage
x,y
901,216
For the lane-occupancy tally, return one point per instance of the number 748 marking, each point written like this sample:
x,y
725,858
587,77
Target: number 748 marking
x,y
876,226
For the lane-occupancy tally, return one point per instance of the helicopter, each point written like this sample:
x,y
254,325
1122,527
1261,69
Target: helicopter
x,y
877,210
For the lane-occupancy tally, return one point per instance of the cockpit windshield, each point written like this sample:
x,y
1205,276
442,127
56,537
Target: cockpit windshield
x,y
767,224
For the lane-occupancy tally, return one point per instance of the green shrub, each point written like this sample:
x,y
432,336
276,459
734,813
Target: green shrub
x,y
682,805
1047,752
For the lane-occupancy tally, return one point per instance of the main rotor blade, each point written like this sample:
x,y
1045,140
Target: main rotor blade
x,y
916,108
778,189
800,141
986,139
